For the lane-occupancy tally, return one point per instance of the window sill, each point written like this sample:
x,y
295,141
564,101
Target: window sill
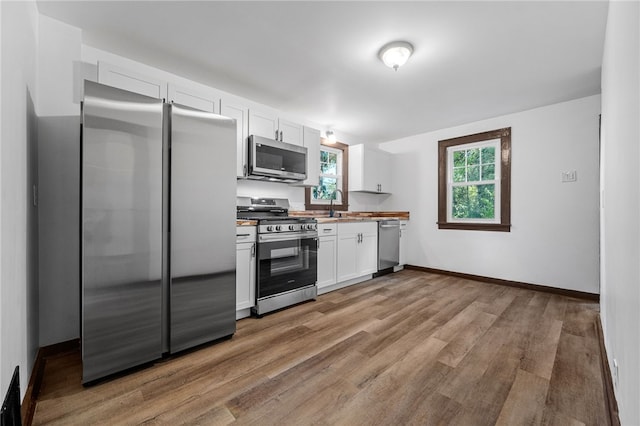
x,y
475,226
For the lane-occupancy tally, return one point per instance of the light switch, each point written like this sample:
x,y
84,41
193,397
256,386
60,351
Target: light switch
x,y
569,176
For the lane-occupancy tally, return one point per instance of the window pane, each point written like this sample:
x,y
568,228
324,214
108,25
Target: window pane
x,y
326,189
473,174
459,174
473,202
488,172
324,156
488,155
458,159
329,168
473,156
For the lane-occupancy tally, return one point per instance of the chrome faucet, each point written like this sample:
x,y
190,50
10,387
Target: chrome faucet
x,y
331,211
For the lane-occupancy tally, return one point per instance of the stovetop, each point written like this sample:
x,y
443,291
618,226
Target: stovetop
x,y
272,215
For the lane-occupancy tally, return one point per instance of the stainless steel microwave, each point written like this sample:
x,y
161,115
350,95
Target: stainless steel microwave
x,y
274,160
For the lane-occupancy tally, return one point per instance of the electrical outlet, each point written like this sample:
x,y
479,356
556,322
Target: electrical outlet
x,y
616,375
569,176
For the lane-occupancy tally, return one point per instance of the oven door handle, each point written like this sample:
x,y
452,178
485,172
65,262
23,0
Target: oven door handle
x,y
280,237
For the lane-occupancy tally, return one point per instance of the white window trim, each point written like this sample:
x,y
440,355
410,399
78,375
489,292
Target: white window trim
x,y
497,181
338,176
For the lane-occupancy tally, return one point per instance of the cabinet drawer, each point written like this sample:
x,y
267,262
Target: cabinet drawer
x,y
245,234
327,229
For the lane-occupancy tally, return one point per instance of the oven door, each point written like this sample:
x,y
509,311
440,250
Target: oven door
x,y
286,263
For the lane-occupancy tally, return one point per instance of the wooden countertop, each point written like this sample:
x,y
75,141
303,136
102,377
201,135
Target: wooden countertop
x,y
246,222
323,215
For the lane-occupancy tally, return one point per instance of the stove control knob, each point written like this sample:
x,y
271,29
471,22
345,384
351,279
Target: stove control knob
x,y
278,228
269,228
311,227
291,227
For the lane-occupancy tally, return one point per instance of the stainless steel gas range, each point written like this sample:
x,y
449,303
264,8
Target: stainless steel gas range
x,y
287,266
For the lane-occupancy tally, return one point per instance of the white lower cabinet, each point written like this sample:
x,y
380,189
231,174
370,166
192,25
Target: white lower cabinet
x,y
327,254
245,267
403,243
357,250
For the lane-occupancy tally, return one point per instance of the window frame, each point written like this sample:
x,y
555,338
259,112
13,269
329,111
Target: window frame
x,y
501,224
310,203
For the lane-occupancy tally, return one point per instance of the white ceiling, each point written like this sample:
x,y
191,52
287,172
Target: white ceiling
x,y
472,60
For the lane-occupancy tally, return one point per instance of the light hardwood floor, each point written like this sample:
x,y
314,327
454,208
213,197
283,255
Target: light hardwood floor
x,y
407,348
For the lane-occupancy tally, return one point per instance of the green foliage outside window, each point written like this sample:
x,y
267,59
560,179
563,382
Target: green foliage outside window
x,y
475,199
328,176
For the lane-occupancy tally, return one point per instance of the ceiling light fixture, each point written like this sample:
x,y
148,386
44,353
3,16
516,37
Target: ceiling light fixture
x,y
395,54
331,136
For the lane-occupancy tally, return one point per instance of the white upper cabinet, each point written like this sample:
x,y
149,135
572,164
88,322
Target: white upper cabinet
x,y
263,123
369,170
241,114
290,132
125,79
268,125
201,98
311,141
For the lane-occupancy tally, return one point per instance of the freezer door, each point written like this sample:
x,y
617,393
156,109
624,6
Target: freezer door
x,y
202,228
121,230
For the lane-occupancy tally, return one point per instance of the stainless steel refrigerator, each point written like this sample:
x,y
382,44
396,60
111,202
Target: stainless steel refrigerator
x,y
157,229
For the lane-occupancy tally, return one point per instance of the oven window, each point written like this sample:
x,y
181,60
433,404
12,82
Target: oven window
x,y
288,259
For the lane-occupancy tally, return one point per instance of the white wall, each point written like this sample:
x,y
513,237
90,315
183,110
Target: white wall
x,y
554,235
620,209
18,137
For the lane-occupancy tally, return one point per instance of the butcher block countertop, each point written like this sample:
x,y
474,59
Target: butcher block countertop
x,y
246,222
322,216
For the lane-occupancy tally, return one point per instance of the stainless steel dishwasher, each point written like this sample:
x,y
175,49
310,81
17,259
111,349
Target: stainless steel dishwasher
x,y
388,245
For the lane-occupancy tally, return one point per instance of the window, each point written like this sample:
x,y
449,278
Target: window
x,y
474,182
334,160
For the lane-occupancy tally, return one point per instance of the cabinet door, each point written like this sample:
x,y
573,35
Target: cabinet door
x,y
114,76
240,113
403,243
204,100
263,123
290,132
347,256
368,249
327,253
245,275
368,255
370,167
311,141
383,166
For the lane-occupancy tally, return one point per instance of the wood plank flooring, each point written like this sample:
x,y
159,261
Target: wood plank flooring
x,y
410,348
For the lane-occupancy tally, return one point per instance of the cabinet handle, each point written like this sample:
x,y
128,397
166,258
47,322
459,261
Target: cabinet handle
x,y
253,250
281,140
244,170
276,134
327,230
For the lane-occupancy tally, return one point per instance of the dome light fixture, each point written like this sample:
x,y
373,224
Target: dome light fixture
x,y
395,54
331,137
